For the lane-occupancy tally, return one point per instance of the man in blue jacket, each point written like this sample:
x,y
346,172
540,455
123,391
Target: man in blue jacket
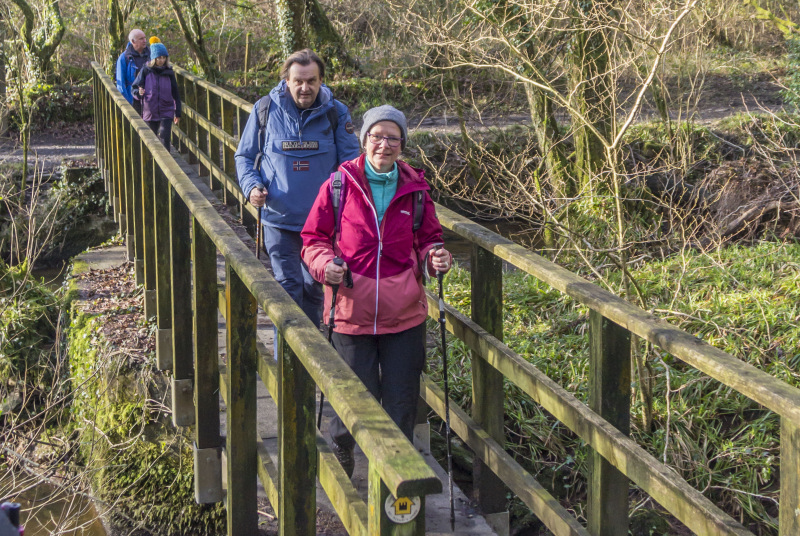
x,y
136,54
308,134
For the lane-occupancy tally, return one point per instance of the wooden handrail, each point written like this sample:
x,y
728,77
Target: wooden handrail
x,y
621,452
401,467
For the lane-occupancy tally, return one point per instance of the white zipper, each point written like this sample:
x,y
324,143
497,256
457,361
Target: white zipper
x,y
380,251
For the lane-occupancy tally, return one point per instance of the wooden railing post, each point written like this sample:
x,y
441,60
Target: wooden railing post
x,y
163,292
191,126
119,171
248,220
184,121
240,442
107,150
378,520
609,397
487,383
212,111
149,235
207,445
789,515
297,467
127,178
180,268
228,164
138,209
201,94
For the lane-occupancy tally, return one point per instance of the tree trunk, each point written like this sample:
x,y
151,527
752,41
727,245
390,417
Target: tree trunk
x,y
291,25
117,17
326,39
41,43
592,101
192,29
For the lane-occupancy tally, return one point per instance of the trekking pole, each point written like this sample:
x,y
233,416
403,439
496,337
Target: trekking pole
x,y
348,282
259,235
442,323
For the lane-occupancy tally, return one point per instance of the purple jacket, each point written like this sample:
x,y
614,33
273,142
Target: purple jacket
x,y
160,99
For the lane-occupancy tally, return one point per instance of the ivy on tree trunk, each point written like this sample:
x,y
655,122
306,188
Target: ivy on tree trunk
x,y
40,42
117,17
192,29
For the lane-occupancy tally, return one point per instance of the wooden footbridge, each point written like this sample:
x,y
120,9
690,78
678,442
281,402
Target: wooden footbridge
x,y
175,235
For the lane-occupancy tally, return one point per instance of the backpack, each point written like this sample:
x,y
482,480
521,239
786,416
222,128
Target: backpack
x,y
262,108
336,199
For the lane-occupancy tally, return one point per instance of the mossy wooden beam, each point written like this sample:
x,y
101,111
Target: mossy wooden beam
x,y
297,447
220,134
486,306
523,484
162,196
212,113
789,515
149,235
241,405
228,163
662,483
756,384
205,338
202,130
138,209
610,398
231,186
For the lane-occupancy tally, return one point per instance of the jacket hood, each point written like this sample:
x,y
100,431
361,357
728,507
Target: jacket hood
x,y
130,52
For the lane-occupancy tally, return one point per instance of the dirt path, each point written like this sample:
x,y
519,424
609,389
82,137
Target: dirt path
x,y
48,148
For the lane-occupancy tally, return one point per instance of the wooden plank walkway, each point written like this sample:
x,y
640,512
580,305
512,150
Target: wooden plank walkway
x,y
437,519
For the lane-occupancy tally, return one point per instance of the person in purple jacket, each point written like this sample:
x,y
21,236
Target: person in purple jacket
x,y
158,89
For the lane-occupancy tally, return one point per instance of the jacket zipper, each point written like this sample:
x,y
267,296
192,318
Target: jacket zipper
x,y
380,246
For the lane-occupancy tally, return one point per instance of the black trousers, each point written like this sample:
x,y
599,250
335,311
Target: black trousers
x,y
163,129
390,366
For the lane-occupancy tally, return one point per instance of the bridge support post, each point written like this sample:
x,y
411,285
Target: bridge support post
x,y
297,432
126,158
212,112
149,235
161,196
241,436
789,515
138,209
380,500
487,382
180,285
228,164
609,397
208,488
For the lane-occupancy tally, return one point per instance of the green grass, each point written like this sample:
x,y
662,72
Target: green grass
x,y
743,300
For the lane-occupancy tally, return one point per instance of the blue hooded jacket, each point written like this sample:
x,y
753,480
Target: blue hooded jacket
x,y
128,66
301,151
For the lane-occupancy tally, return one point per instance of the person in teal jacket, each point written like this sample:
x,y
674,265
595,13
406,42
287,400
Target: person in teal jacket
x,y
132,59
308,134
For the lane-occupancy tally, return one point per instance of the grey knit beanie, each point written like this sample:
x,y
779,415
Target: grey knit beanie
x,y
384,113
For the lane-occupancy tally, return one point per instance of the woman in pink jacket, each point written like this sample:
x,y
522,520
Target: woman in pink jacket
x,y
388,248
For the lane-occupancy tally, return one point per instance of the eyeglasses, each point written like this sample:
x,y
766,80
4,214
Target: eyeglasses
x,y
390,141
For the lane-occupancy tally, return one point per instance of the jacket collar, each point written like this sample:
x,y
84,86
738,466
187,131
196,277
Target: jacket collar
x,y
130,52
409,179
280,95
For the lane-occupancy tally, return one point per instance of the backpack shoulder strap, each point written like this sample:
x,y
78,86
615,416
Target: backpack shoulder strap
x,y
333,119
262,109
419,209
336,198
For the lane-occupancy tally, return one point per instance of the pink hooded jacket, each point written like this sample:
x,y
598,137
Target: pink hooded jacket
x,y
387,295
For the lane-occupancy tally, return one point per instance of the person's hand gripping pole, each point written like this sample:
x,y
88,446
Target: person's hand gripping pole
x,y
347,278
257,198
